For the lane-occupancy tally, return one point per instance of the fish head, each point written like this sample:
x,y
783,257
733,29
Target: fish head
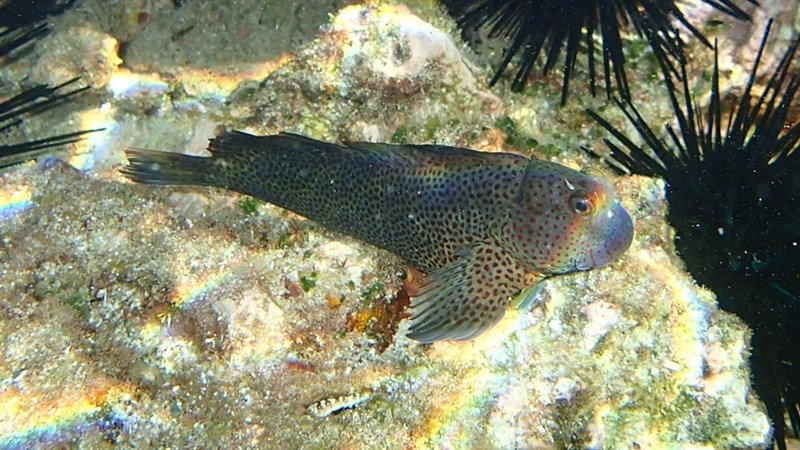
x,y
564,221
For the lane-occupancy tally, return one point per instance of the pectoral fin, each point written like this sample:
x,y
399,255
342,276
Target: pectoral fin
x,y
466,298
529,295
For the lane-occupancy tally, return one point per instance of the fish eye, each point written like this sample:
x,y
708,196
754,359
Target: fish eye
x,y
581,204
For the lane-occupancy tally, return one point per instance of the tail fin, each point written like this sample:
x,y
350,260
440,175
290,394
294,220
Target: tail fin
x,y
164,168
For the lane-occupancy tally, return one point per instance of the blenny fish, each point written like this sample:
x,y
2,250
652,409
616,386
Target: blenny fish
x,y
482,226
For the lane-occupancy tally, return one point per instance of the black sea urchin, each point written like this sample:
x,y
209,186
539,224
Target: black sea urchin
x,y
733,188
31,101
533,27
24,13
22,21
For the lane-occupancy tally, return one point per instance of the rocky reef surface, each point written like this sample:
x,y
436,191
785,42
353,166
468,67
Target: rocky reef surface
x,y
133,316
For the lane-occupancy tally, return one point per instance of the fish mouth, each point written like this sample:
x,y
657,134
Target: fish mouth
x,y
617,239
583,262
620,233
580,263
599,247
614,242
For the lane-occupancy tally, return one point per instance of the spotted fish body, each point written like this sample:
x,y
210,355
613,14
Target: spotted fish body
x,y
483,226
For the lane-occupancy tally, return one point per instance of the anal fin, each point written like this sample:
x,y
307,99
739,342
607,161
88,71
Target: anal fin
x,y
466,298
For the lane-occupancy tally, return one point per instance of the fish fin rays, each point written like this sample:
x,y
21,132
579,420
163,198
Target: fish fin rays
x,y
290,145
239,142
466,298
155,167
528,296
233,142
411,152
391,149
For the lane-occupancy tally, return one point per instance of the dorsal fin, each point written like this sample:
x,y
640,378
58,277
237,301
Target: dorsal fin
x,y
238,142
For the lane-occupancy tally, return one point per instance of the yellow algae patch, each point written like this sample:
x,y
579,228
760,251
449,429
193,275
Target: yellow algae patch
x,y
153,328
83,51
25,415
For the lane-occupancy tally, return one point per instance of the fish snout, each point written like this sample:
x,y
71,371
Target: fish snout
x,y
617,236
612,237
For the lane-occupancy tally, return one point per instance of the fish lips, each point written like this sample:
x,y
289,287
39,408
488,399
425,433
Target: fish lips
x,y
611,239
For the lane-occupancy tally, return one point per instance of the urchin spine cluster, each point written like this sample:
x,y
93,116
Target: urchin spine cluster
x,y
733,187
550,28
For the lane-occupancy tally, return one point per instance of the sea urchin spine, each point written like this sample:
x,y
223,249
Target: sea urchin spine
x,y
551,26
734,201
